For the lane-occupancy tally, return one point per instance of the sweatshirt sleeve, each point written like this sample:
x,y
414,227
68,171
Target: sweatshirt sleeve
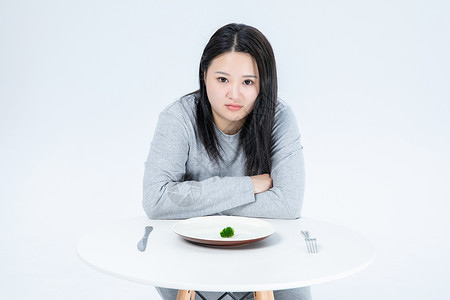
x,y
166,194
284,200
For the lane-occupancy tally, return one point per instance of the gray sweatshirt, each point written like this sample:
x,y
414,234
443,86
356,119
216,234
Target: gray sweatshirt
x,y
181,181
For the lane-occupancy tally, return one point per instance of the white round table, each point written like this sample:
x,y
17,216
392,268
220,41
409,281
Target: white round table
x,y
280,261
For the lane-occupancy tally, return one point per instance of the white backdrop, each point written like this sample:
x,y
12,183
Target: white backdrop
x,y
82,83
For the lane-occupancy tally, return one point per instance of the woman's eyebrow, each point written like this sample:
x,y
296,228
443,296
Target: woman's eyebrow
x,y
226,74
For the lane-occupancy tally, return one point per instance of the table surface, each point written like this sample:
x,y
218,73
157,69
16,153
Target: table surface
x,y
280,261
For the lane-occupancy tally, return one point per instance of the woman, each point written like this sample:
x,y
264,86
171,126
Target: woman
x,y
230,148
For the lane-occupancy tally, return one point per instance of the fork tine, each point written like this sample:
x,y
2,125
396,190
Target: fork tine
x,y
314,244
309,245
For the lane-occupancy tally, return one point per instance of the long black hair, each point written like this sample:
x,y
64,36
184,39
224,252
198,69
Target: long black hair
x,y
256,133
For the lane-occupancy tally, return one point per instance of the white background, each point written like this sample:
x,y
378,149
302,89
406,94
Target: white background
x,y
82,83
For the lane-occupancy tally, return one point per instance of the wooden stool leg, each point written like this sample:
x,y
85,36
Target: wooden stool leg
x,y
185,295
265,295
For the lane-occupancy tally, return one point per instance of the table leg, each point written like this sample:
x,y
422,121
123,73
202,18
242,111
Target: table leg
x,y
265,295
185,295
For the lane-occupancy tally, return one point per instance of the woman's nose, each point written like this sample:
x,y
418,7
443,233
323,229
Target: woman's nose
x,y
233,91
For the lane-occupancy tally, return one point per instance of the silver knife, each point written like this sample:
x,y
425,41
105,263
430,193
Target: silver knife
x,y
142,244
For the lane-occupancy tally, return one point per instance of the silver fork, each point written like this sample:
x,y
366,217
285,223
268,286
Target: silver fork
x,y
311,243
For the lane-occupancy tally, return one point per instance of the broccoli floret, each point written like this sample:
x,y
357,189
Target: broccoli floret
x,y
227,232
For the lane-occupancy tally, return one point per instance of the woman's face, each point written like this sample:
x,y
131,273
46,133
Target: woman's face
x,y
232,85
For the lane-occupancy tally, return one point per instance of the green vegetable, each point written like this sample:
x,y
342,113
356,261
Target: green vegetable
x,y
227,232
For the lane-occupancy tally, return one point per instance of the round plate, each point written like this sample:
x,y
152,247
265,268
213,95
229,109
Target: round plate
x,y
206,230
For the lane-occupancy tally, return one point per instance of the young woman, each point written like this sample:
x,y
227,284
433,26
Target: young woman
x,y
230,148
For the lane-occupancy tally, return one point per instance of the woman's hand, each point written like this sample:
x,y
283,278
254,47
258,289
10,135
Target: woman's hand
x,y
261,183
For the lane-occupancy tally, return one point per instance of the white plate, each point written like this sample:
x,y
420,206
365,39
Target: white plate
x,y
206,230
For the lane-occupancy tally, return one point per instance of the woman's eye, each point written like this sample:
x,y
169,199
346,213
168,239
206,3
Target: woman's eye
x,y
248,82
223,79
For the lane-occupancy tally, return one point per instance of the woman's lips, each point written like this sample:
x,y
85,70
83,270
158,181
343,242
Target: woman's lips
x,y
234,107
